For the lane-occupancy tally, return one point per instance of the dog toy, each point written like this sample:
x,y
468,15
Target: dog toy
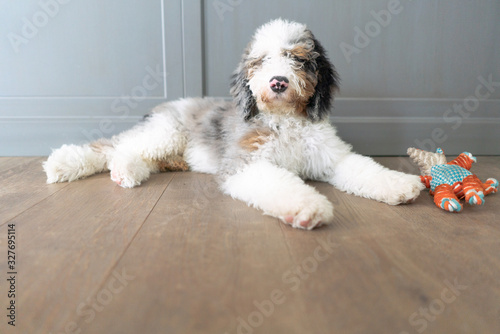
x,y
452,181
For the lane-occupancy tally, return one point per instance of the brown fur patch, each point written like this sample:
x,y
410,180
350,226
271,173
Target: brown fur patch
x,y
300,52
101,145
300,105
255,138
173,164
310,80
264,96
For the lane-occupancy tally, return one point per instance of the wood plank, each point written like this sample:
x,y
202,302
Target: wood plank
x,y
69,244
23,185
10,162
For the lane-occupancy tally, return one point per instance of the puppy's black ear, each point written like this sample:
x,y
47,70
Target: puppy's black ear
x,y
320,103
242,95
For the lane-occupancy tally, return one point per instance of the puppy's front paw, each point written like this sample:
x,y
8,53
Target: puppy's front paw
x,y
402,188
311,214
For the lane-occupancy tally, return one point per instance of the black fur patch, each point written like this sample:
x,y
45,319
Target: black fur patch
x,y
216,126
145,117
240,91
243,96
221,109
320,103
214,131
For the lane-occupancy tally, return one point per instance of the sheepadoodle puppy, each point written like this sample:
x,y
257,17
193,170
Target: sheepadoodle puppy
x,y
261,145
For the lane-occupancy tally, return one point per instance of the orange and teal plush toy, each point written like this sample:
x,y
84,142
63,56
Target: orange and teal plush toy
x,y
452,181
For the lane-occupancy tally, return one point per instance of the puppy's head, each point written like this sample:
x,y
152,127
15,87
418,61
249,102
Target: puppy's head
x,y
284,70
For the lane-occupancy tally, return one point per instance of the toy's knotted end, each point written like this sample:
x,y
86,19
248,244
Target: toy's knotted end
x,y
426,180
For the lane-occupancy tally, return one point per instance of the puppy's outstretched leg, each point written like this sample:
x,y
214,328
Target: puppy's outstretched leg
x,y
362,176
281,194
130,156
72,162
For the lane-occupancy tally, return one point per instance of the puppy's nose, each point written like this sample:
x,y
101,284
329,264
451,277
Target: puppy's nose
x,y
278,84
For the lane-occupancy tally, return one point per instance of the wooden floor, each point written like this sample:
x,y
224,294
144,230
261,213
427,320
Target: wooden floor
x,y
176,256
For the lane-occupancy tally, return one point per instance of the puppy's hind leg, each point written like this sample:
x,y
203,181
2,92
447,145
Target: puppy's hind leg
x,y
147,148
281,194
72,162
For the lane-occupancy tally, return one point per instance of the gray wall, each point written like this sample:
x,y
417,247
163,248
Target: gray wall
x,y
72,71
416,78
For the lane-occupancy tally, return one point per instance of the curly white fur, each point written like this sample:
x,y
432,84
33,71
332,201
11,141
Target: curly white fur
x,y
261,145
72,162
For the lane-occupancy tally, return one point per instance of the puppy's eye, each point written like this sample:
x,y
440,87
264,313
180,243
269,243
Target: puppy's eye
x,y
255,62
300,59
296,56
